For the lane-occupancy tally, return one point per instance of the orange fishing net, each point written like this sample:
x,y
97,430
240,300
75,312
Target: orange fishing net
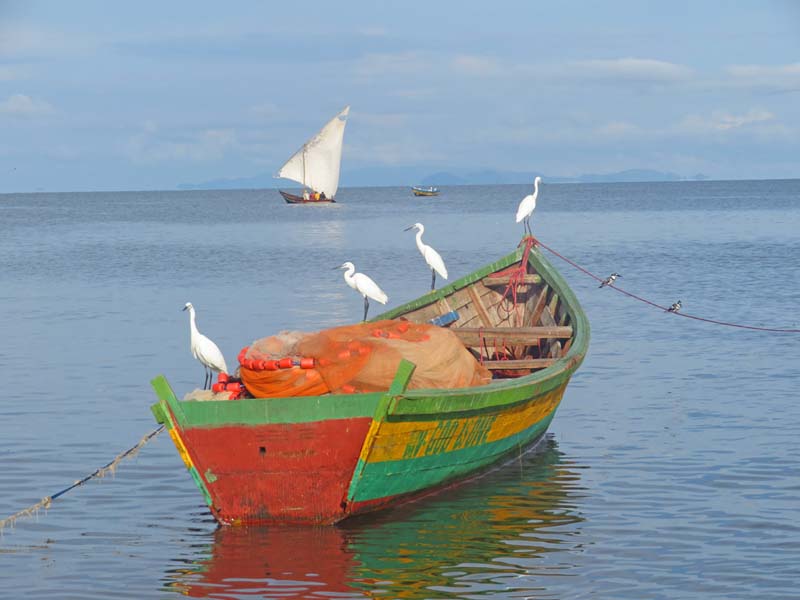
x,y
357,358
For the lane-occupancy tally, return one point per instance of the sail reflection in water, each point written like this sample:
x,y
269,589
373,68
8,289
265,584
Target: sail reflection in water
x,y
508,532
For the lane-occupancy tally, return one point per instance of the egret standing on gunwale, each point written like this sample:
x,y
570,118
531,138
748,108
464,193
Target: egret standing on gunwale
x,y
527,206
204,350
363,285
431,256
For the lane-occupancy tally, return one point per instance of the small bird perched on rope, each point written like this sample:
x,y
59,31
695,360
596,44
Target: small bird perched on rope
x,y
610,279
675,307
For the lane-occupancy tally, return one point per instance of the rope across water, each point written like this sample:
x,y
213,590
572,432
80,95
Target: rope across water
x,y
658,306
110,467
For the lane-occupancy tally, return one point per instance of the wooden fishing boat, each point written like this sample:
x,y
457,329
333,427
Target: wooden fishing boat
x,y
321,459
309,199
425,191
316,164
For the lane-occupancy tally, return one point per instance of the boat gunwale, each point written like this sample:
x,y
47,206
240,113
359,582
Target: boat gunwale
x,y
566,364
486,396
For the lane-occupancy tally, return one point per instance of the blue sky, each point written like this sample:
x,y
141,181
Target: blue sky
x,y
149,95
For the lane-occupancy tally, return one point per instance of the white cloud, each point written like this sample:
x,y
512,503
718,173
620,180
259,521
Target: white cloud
x,y
630,69
21,42
720,121
22,106
203,146
756,71
781,77
393,153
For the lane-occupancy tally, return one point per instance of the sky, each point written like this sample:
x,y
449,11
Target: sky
x,y
151,95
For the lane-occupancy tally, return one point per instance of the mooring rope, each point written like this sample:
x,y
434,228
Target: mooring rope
x,y
658,306
45,502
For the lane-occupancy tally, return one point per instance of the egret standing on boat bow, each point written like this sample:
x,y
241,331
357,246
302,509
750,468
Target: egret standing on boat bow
x,y
527,206
204,350
363,285
316,165
431,256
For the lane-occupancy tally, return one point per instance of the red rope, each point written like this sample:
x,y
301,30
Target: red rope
x,y
664,308
517,277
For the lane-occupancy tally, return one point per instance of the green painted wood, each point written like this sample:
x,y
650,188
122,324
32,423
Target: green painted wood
x,y
166,395
257,411
397,478
158,413
414,402
164,410
399,384
506,391
402,377
447,290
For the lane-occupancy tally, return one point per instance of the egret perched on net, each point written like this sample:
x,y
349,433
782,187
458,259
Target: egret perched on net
x,y
363,285
431,256
204,350
527,206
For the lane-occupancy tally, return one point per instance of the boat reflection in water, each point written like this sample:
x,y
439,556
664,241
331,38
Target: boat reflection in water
x,y
506,532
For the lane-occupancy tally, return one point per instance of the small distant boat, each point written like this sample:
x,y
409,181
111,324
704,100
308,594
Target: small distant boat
x,y
321,459
425,191
316,165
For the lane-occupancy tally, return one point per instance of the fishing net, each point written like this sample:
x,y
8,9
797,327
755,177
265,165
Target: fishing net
x,y
357,358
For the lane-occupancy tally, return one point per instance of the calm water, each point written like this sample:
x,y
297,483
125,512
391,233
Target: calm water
x,y
673,465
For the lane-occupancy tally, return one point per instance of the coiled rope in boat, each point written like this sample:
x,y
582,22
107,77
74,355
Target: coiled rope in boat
x,y
658,306
110,467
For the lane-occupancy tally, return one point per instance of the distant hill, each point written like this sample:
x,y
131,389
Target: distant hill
x,y
407,176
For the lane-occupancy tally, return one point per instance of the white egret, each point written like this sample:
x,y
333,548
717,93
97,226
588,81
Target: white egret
x,y
527,206
431,256
204,350
676,306
363,285
610,279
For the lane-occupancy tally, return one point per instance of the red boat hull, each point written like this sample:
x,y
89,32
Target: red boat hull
x,y
305,475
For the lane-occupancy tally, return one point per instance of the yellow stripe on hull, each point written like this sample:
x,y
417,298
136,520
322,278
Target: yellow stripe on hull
x,y
173,433
407,440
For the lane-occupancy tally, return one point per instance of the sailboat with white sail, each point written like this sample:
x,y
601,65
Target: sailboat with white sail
x,y
316,165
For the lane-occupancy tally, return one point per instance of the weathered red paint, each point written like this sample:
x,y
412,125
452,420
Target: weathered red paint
x,y
306,469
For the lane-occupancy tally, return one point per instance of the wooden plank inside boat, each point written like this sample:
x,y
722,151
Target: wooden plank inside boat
x,y
483,314
538,306
472,336
506,279
528,363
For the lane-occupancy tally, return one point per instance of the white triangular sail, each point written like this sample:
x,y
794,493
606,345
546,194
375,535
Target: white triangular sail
x,y
316,164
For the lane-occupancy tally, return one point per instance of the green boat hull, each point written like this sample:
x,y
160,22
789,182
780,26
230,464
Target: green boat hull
x,y
322,459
